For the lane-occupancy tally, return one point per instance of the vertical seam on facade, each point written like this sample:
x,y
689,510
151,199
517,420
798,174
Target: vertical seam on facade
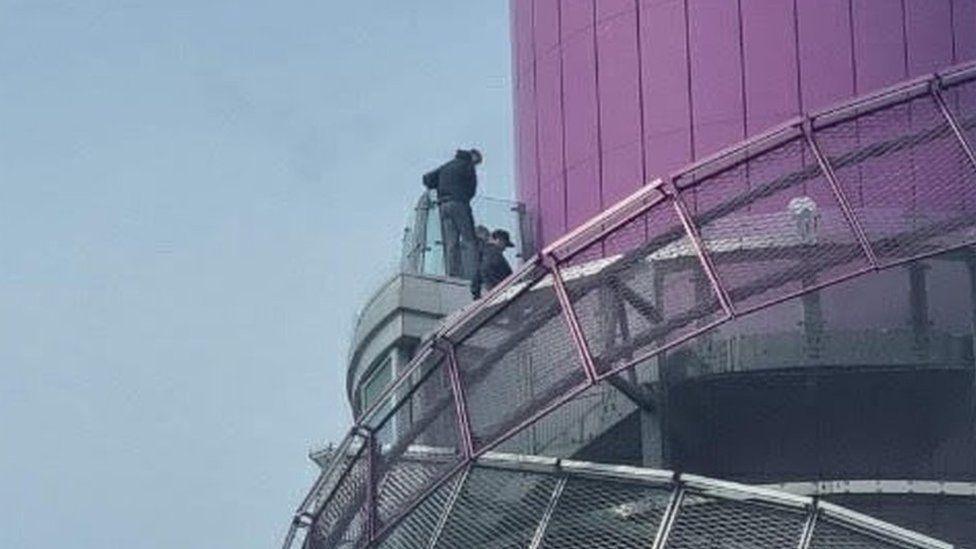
x,y
799,77
562,112
599,103
516,108
952,28
850,29
742,74
904,36
640,100
691,102
796,49
742,87
535,114
640,93
855,85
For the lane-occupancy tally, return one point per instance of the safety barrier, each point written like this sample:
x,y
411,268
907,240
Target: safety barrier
x,y
874,183
510,500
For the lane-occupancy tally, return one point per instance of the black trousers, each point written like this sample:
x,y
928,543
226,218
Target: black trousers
x,y
460,245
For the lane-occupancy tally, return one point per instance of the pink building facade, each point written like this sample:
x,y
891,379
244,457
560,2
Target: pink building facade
x,y
611,94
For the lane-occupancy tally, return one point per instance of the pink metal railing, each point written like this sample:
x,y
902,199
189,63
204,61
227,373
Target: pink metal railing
x,y
537,327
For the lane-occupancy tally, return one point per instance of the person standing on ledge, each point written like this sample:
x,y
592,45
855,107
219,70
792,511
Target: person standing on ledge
x,y
456,183
492,267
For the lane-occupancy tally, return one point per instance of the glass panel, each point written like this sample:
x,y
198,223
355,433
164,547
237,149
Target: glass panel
x,y
434,246
423,244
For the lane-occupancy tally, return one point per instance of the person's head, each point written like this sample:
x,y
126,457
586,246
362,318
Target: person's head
x,y
471,155
482,233
500,238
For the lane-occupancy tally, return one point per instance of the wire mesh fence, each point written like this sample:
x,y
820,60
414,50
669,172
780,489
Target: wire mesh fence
x,y
512,501
868,185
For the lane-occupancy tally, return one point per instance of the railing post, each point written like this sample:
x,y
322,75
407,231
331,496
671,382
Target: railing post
x,y
845,206
807,535
672,191
549,261
670,515
540,531
371,485
460,402
935,90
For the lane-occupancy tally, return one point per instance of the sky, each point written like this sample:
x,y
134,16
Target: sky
x,y
195,199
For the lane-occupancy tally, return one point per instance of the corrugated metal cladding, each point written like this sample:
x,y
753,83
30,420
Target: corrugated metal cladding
x,y
612,93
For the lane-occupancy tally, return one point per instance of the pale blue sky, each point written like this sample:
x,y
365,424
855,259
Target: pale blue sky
x,y
195,198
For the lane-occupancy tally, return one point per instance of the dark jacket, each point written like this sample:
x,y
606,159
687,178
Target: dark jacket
x,y
455,180
492,268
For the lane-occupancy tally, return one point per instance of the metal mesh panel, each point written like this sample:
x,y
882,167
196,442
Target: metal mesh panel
x,y
961,99
416,529
418,443
706,522
575,425
517,362
603,514
497,509
771,223
342,521
647,289
907,178
832,535
579,249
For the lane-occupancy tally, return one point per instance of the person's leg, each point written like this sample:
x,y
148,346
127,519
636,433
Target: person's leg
x,y
450,234
469,241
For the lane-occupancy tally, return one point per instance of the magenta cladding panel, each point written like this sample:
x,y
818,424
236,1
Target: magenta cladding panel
x,y
612,93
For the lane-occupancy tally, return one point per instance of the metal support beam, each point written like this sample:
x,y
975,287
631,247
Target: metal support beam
x,y
845,206
570,314
448,508
953,123
460,403
540,531
643,398
290,536
670,516
807,535
692,233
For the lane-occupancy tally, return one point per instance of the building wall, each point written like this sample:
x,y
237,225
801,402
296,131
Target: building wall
x,y
610,94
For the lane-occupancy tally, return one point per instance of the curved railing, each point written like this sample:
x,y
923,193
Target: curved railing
x,y
877,182
511,500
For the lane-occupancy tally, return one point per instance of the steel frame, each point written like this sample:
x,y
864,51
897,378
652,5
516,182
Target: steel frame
x,y
692,232
460,403
670,515
935,90
807,536
552,257
679,485
845,205
540,532
579,338
449,507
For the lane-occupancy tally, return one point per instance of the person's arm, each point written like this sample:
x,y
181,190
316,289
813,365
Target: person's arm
x,y
430,178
